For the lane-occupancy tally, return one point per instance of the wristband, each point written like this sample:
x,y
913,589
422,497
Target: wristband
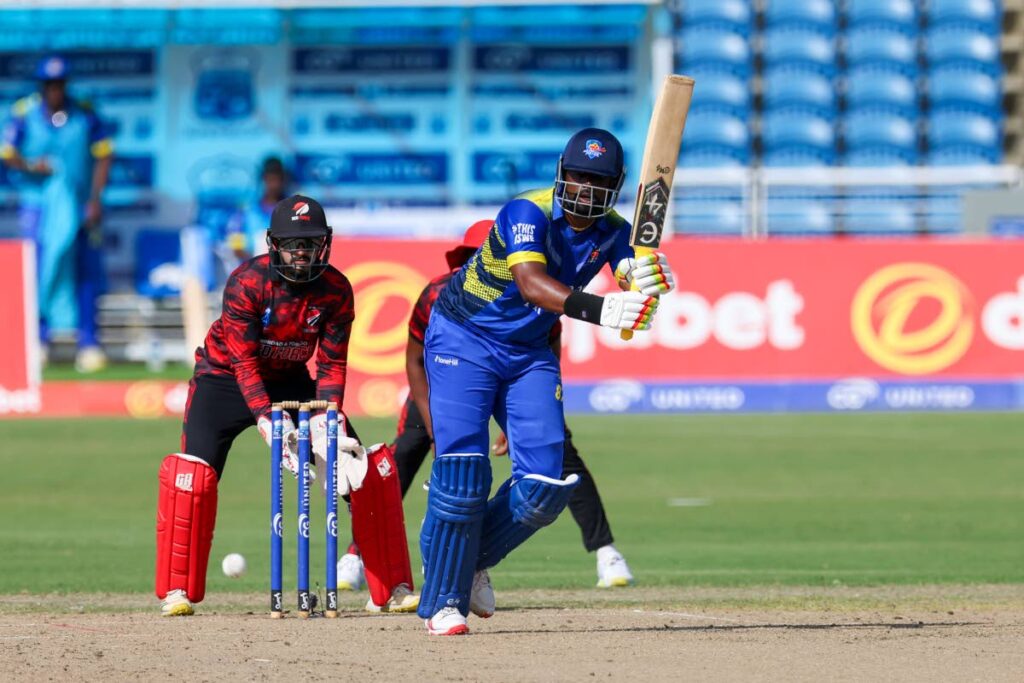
x,y
585,307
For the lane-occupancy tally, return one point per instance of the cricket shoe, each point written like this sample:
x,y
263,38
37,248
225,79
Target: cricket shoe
x,y
481,597
176,604
612,570
448,622
402,600
350,572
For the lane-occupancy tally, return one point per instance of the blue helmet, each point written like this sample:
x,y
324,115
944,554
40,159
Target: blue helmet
x,y
52,68
597,152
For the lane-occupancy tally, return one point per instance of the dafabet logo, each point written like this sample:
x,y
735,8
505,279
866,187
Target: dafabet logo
x,y
913,318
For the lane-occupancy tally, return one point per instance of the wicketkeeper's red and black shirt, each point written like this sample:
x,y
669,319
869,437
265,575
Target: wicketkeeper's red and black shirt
x,y
421,311
269,329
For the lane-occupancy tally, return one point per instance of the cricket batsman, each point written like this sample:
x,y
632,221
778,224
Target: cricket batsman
x,y
279,308
486,353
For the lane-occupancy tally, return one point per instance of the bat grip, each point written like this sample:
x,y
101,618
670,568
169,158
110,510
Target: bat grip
x,y
626,335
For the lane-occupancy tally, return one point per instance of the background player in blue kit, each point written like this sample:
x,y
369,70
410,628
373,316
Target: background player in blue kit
x,y
486,353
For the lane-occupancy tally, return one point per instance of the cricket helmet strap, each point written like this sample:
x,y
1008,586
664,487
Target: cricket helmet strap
x,y
299,239
593,151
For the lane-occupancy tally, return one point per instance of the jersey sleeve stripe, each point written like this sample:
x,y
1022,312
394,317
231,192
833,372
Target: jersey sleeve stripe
x,y
524,257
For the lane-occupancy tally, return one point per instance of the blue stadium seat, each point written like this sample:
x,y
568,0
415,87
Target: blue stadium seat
x,y
722,50
784,132
982,15
720,92
898,15
943,215
710,132
867,131
965,132
731,15
964,89
799,49
952,156
710,218
963,48
790,217
798,90
879,217
790,157
712,159
874,157
881,49
814,15
880,90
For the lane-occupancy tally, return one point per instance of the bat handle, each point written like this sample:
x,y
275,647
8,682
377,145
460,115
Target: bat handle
x,y
626,335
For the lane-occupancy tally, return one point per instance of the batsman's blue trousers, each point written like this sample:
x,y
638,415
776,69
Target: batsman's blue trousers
x,y
473,377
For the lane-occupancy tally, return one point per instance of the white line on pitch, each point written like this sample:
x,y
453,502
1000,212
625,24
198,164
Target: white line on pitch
x,y
688,502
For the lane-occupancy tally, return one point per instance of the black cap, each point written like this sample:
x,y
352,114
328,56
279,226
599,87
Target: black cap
x,y
593,150
298,216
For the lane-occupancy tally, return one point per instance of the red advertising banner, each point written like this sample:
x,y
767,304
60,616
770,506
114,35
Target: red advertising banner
x,y
750,310
19,371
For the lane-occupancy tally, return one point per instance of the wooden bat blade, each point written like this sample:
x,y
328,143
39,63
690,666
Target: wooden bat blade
x,y
658,168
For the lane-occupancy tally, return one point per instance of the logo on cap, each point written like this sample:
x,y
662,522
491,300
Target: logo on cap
x,y
54,67
301,210
593,149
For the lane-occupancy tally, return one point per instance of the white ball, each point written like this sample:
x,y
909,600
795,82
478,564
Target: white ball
x,y
233,565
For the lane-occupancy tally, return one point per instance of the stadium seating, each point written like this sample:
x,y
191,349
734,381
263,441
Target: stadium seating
x,y
799,217
791,134
964,89
875,157
879,217
721,50
965,132
814,15
794,89
731,15
957,157
881,49
880,90
884,134
711,218
959,47
981,15
800,49
942,215
716,134
898,15
720,92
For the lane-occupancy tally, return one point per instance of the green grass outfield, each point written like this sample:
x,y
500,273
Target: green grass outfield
x,y
814,500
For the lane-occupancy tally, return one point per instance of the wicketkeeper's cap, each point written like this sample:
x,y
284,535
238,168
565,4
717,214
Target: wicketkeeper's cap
x,y
593,150
471,241
298,216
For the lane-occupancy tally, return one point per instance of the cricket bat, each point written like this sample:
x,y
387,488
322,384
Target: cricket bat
x,y
661,154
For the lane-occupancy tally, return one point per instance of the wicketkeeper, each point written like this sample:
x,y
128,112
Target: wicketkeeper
x,y
486,353
279,309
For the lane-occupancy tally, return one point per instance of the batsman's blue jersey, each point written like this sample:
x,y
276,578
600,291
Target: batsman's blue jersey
x,y
483,297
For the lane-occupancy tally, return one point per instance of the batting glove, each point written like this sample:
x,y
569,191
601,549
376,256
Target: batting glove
x,y
628,310
651,273
289,440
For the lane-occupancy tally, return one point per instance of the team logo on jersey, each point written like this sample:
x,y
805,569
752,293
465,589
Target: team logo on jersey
x,y
301,210
312,319
266,317
594,255
593,148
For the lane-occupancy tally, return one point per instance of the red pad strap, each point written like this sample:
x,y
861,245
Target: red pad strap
x,y
378,526
186,512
